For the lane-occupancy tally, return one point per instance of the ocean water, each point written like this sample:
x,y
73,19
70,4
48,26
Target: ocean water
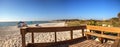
x,y
2,24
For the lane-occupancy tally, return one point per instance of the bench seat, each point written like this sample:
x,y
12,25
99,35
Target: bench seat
x,y
102,35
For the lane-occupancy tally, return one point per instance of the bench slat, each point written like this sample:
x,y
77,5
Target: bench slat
x,y
102,35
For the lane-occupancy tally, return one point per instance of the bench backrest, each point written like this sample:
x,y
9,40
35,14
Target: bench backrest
x,y
104,29
33,30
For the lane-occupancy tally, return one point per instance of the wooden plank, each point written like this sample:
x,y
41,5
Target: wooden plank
x,y
53,29
52,44
105,29
103,36
94,34
90,43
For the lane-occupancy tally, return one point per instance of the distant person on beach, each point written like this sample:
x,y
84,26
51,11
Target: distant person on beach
x,y
22,24
37,25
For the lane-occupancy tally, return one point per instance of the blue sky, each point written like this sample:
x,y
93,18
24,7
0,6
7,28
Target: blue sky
x,y
40,10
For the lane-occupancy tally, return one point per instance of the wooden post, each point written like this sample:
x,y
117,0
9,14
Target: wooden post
x,y
90,30
23,32
71,33
82,32
117,42
118,34
100,38
32,34
55,37
87,36
102,32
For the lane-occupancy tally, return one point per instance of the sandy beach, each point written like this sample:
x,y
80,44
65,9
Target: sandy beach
x,y
10,36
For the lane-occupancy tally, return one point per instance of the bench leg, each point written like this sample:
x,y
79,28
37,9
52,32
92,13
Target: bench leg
x,y
87,36
100,39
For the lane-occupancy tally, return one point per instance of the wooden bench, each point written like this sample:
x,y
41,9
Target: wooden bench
x,y
54,30
102,30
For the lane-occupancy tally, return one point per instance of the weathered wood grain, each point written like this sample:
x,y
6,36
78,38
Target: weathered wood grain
x,y
104,29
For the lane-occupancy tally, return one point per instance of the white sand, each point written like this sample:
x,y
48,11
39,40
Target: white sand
x,y
10,36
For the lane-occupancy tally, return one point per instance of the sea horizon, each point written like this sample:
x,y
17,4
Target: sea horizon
x,y
14,23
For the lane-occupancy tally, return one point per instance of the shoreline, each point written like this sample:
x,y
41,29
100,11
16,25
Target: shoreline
x,y
14,30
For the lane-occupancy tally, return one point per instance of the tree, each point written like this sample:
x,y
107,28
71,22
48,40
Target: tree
x,y
92,22
114,19
118,15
